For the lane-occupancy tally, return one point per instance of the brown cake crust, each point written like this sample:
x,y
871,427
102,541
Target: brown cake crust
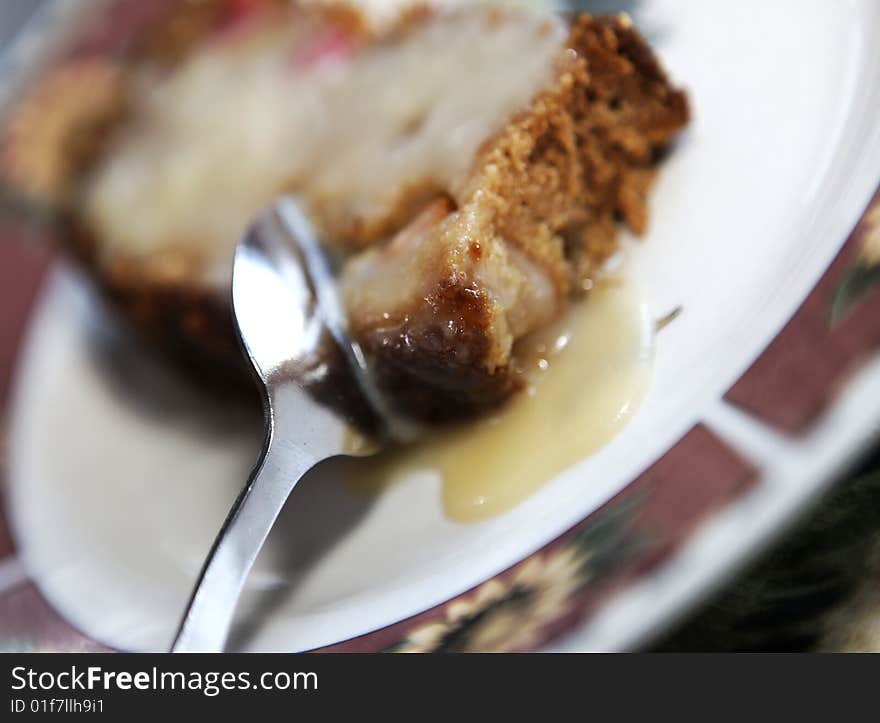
x,y
551,185
563,172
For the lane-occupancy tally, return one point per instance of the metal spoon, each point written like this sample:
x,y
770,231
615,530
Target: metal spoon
x,y
317,400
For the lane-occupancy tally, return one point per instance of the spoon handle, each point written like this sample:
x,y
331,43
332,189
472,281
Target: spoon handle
x,y
206,622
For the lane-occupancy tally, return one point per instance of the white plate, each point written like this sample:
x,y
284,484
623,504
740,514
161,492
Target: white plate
x,y
114,502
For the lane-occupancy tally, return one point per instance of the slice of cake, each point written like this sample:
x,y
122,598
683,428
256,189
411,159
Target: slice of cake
x,y
466,167
440,308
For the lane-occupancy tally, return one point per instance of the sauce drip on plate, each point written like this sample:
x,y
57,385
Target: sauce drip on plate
x,y
585,378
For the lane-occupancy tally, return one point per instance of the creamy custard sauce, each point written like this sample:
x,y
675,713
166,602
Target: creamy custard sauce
x,y
586,377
